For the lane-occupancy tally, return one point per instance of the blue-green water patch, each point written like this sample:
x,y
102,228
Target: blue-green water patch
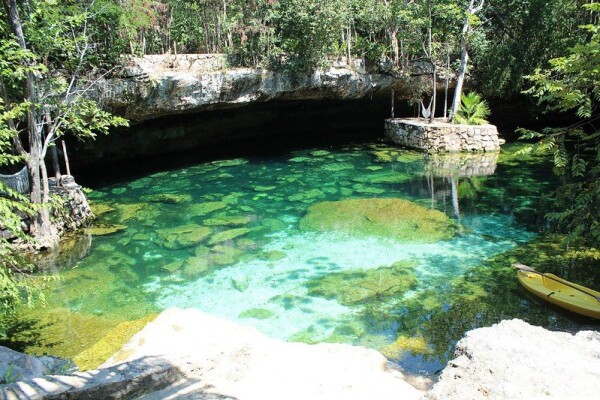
x,y
224,237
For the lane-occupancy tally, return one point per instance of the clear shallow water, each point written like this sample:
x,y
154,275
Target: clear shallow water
x,y
224,237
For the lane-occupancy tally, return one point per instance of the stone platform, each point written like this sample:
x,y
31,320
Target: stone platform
x,y
441,137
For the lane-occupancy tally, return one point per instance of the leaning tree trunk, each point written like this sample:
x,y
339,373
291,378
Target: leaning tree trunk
x,y
460,79
464,56
41,227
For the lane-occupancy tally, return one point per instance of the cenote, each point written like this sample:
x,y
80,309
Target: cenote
x,y
361,243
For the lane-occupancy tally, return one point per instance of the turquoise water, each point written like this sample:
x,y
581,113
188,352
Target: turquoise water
x,y
224,237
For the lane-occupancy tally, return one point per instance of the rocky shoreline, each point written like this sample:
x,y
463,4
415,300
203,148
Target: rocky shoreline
x,y
190,354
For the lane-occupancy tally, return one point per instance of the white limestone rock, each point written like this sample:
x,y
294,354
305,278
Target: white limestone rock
x,y
514,360
159,85
221,358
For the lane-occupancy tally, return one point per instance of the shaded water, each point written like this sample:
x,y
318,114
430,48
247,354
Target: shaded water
x,y
224,237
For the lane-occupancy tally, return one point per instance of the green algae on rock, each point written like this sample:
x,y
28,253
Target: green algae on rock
x,y
229,220
167,198
183,236
403,344
384,177
364,189
101,208
307,196
202,209
257,313
104,229
396,219
108,345
227,235
357,287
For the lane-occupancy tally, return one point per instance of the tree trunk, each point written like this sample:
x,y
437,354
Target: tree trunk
x,y
464,57
396,48
41,227
447,82
434,96
431,60
460,79
52,150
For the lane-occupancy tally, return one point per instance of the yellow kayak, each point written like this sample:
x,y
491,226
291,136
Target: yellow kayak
x,y
563,293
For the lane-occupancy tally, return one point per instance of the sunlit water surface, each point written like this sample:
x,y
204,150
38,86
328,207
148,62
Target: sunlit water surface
x,y
243,257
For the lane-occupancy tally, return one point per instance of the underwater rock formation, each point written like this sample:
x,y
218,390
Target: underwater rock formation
x,y
387,218
352,287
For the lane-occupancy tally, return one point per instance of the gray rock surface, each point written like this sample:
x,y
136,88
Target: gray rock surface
x,y
440,136
15,366
123,381
158,85
513,360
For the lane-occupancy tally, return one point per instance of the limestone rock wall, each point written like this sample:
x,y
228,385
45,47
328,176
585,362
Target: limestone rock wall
x,y
76,210
441,137
154,86
74,213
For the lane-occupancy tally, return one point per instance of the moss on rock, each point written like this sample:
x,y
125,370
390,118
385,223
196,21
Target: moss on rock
x,y
104,229
390,218
103,349
383,177
183,236
101,208
168,198
229,220
357,287
202,209
257,313
227,235
307,196
403,344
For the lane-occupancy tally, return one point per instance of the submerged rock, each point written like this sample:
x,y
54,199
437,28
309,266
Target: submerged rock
x,y
227,235
202,209
355,287
104,229
364,189
229,220
257,313
389,177
337,166
389,218
307,196
183,236
101,208
403,344
167,198
93,356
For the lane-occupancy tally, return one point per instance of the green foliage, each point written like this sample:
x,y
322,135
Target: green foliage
x,y
473,110
520,36
15,286
571,84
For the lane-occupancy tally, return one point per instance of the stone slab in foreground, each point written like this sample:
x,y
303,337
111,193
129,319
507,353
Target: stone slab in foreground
x,y
517,361
221,359
441,137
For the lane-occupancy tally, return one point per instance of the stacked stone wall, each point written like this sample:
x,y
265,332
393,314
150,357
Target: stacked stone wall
x,y
441,137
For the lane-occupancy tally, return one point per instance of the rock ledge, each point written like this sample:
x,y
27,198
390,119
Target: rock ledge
x,y
514,360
